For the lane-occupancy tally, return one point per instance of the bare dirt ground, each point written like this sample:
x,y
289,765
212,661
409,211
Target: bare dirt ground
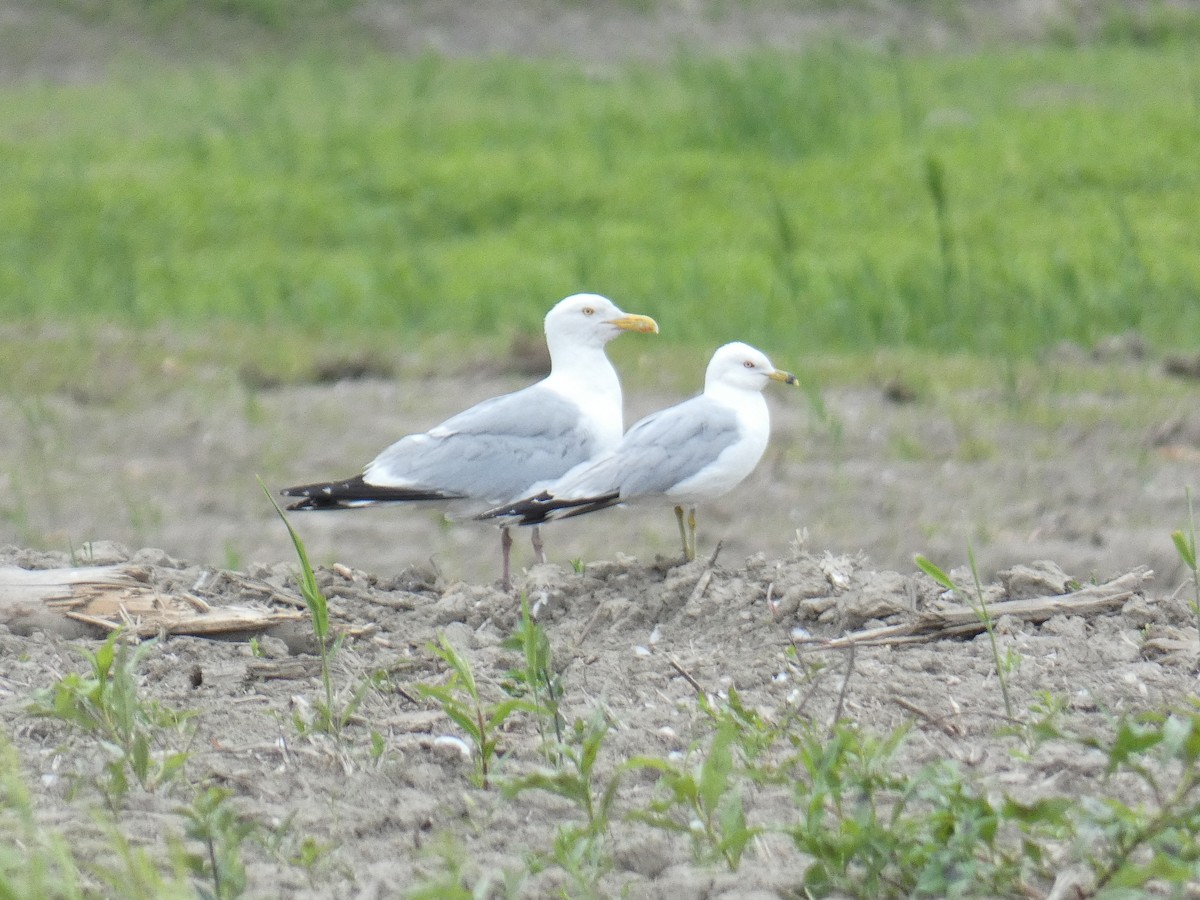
x,y
78,40
1077,459
631,640
819,540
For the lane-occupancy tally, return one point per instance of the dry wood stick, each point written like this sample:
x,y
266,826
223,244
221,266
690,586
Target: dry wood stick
x,y
686,675
939,722
837,713
939,623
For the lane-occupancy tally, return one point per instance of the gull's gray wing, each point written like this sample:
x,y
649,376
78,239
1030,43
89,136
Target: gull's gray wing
x,y
657,453
671,446
492,452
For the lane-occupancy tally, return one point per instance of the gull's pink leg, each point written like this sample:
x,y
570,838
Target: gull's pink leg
x,y
539,555
506,542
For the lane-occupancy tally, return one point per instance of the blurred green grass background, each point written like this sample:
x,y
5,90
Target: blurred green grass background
x,y
842,200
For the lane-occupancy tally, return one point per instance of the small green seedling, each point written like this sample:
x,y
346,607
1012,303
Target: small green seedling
x,y
574,780
107,702
331,718
458,879
579,847
872,830
1185,546
1005,663
460,699
703,801
221,832
318,609
535,681
34,862
1131,847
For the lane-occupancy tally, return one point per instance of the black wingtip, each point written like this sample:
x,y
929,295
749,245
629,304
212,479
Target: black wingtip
x,y
590,505
313,503
530,511
354,492
546,507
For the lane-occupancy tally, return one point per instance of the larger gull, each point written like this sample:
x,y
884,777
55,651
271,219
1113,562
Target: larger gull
x,y
697,450
506,447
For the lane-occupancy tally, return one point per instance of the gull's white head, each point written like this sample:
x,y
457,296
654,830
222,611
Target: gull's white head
x,y
739,365
589,320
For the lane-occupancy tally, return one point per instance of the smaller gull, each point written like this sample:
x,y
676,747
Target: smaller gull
x,y
512,445
697,450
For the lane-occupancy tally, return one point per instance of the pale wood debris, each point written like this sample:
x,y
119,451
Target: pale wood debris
x,y
964,621
75,601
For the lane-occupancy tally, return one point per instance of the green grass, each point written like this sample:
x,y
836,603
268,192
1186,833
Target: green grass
x,y
840,200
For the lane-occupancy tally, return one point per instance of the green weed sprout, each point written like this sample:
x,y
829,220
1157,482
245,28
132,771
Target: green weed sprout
x,y
535,681
869,829
1185,546
331,718
703,801
33,862
875,832
37,862
578,849
1130,847
211,821
460,699
1004,665
318,609
457,880
106,703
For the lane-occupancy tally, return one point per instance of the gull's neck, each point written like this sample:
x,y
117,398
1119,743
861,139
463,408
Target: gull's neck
x,y
748,403
584,374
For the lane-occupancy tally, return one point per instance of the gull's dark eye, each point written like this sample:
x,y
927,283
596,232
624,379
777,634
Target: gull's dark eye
x,y
588,311
749,364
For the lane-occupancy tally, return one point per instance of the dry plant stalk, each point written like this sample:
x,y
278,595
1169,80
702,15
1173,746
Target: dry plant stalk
x,y
938,624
